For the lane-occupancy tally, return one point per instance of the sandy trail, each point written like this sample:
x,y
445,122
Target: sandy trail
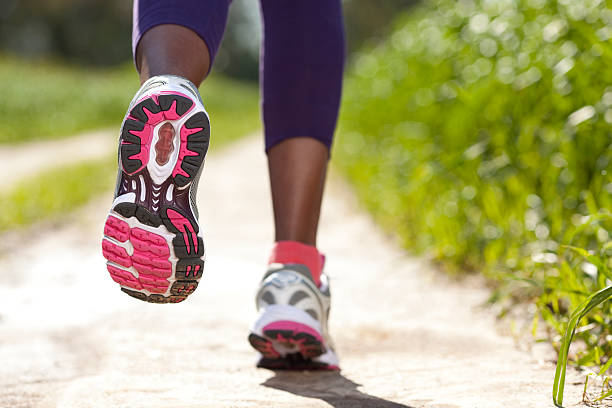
x,y
407,337
23,160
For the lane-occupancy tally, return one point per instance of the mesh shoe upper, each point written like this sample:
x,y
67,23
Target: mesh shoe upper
x,y
292,285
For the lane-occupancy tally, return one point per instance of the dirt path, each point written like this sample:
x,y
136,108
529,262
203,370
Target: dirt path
x,y
407,337
18,162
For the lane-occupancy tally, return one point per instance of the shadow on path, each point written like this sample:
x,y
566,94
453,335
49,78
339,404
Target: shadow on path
x,y
331,387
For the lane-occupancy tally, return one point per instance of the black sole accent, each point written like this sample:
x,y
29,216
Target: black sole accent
x,y
189,268
178,243
295,361
180,249
154,298
148,218
127,210
291,362
128,126
139,113
131,144
129,165
184,288
182,104
197,143
142,214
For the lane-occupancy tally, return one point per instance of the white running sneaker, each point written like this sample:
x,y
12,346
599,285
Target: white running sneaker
x,y
291,329
151,236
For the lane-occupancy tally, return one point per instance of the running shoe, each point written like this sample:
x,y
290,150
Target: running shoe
x,y
291,329
152,239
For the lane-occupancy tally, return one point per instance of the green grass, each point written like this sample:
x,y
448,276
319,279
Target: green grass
x,y
42,99
56,192
48,100
480,133
233,107
45,100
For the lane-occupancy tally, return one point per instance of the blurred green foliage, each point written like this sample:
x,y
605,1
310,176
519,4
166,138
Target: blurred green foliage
x,y
56,192
98,32
92,32
47,100
369,22
479,131
43,100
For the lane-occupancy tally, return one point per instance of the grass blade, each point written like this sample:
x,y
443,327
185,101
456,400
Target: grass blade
x,y
594,300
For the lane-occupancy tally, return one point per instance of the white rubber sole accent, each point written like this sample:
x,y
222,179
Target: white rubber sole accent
x,y
276,313
329,358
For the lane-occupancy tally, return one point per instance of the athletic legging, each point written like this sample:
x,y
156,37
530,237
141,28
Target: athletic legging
x,y
301,62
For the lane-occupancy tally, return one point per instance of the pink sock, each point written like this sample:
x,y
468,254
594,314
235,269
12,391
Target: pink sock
x,y
287,252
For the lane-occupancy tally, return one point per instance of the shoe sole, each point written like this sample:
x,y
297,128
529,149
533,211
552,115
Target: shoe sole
x,y
289,345
151,240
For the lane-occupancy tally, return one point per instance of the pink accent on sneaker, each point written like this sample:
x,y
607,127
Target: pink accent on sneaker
x,y
171,114
147,241
184,151
295,327
153,280
293,252
155,289
146,259
116,254
142,268
123,277
192,269
150,258
145,235
185,290
331,367
117,229
182,224
145,135
265,347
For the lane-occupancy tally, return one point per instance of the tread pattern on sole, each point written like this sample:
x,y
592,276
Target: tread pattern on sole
x,y
137,135
308,343
149,258
139,259
151,253
272,360
195,136
154,298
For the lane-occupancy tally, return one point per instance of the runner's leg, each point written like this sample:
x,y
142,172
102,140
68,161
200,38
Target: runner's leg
x,y
177,38
303,59
301,80
152,238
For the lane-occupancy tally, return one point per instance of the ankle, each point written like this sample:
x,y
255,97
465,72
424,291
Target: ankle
x,y
294,252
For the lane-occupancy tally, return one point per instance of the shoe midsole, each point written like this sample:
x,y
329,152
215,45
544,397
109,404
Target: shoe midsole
x,y
275,313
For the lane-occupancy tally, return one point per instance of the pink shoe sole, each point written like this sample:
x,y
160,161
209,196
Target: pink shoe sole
x,y
290,335
151,238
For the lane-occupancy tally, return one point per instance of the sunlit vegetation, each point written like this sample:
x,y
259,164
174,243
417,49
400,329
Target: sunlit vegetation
x,y
43,100
56,192
479,132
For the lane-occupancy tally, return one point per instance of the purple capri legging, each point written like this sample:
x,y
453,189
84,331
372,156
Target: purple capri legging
x,y
302,57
